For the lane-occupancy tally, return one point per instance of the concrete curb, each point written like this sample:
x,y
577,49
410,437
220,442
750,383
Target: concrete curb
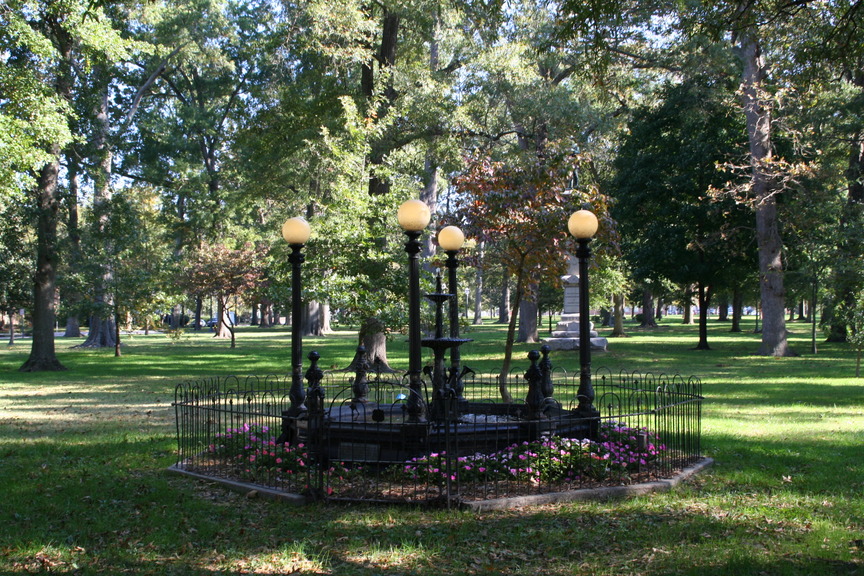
x,y
250,490
606,493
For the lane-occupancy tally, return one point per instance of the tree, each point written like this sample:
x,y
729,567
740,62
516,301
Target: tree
x,y
751,30
525,91
358,263
828,67
211,78
671,225
39,46
138,257
521,207
16,245
222,272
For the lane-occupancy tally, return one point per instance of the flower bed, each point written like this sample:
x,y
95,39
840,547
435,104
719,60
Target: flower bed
x,y
618,451
252,454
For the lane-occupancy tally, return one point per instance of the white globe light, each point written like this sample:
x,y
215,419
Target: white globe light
x,y
296,230
582,224
451,238
413,216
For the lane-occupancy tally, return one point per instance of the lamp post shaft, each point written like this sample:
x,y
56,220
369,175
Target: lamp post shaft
x,y
452,264
585,393
415,354
296,394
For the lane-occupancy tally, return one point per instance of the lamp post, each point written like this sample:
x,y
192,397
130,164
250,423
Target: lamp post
x,y
582,226
451,239
413,217
296,232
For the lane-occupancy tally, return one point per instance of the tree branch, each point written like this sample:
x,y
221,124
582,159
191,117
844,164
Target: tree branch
x,y
136,102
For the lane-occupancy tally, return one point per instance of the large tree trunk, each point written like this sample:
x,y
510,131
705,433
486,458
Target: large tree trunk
x,y
225,327
102,329
42,352
373,338
687,306
313,326
618,314
326,327
429,195
723,307
648,320
199,305
101,334
758,119
385,58
737,309
504,302
704,302
266,313
528,320
71,297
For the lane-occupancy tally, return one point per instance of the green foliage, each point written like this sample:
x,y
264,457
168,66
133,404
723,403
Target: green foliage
x,y
32,115
137,254
673,222
16,260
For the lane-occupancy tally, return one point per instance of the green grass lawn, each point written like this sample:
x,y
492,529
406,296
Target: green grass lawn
x,y
83,458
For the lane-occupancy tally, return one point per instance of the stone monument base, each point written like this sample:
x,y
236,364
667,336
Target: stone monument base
x,y
566,335
599,344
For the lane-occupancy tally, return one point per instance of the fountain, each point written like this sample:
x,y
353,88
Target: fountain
x,y
386,420
446,398
427,435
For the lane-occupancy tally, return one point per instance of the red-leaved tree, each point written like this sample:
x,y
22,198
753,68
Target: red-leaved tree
x,y
522,206
222,272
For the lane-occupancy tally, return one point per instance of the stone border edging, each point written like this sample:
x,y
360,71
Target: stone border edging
x,y
250,490
606,493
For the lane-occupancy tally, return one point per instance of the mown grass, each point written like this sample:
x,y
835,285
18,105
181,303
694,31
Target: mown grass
x,y
83,458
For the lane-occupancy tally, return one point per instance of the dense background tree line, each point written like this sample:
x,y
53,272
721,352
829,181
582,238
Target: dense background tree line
x,y
147,148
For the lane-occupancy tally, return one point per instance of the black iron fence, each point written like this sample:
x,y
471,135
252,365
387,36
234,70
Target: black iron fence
x,y
361,442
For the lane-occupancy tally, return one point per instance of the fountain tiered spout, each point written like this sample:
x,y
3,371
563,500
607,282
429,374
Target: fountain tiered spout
x,y
446,397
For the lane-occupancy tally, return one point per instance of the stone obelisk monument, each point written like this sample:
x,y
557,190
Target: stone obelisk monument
x,y
566,334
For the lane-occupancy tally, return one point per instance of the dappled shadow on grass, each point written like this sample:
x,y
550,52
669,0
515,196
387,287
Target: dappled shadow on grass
x,y
815,466
138,521
812,399
108,506
59,413
203,530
